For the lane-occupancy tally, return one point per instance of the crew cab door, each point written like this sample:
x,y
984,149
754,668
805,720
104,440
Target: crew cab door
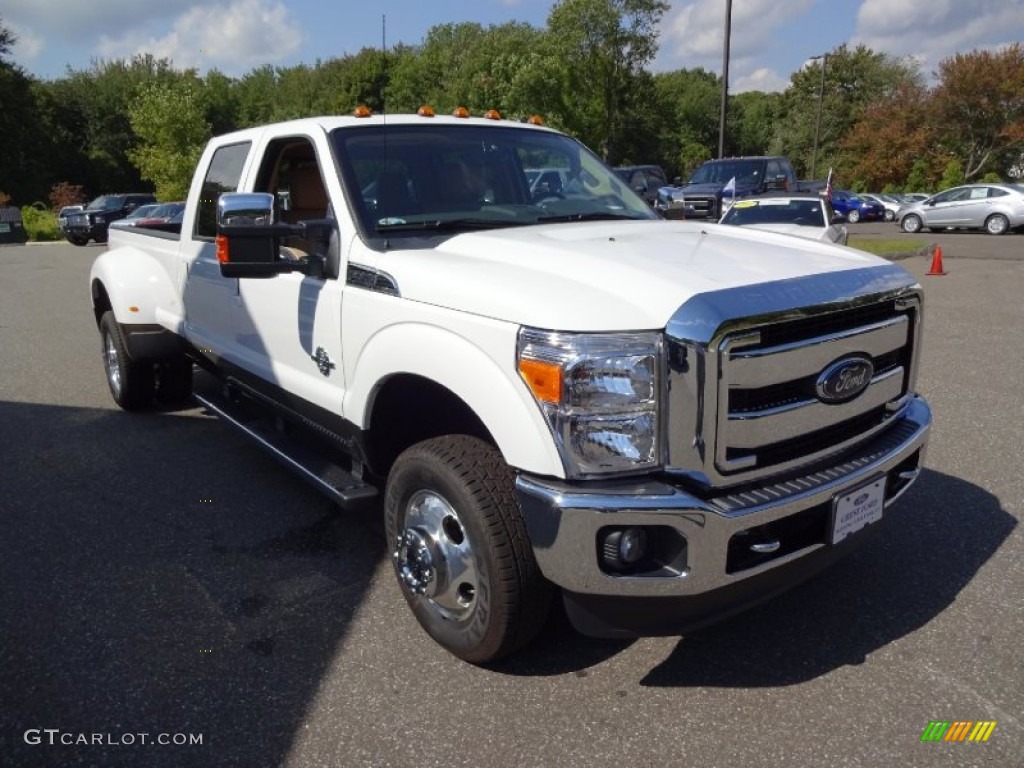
x,y
288,328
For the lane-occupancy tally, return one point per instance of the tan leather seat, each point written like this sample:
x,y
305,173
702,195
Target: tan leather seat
x,y
307,194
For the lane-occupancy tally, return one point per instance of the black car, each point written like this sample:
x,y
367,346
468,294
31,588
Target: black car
x,y
92,223
12,229
643,179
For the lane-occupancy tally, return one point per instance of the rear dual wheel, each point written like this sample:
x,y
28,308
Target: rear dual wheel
x,y
134,384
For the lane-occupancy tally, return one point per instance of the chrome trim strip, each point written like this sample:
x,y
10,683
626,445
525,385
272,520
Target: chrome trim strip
x,y
786,362
701,318
759,429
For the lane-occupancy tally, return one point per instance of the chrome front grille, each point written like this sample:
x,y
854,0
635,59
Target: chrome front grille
x,y
702,206
744,402
770,412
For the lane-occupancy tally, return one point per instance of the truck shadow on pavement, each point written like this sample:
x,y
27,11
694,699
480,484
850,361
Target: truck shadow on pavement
x,y
933,542
160,574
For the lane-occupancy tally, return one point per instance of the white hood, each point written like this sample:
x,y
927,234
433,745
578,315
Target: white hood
x,y
604,275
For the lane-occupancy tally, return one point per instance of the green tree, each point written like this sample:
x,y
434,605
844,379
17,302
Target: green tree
x,y
751,122
953,176
979,102
853,79
23,147
601,48
170,121
919,178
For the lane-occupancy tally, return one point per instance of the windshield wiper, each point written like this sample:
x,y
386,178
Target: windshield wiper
x,y
592,216
443,225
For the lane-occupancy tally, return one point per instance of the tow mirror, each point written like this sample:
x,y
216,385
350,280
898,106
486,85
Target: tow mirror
x,y
249,239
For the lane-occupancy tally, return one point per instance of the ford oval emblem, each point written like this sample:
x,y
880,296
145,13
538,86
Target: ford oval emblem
x,y
844,379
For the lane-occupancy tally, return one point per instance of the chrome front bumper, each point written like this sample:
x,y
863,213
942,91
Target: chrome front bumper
x,y
564,521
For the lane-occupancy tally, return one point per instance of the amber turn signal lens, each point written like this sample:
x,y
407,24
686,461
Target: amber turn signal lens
x,y
223,255
543,379
460,112
492,114
425,111
362,111
536,120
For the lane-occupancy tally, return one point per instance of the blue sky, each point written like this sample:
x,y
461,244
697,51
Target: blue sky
x,y
770,38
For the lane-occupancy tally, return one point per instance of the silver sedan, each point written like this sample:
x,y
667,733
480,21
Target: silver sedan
x,y
807,216
996,208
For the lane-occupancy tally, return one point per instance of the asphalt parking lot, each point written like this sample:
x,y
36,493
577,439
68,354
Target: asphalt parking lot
x,y
159,575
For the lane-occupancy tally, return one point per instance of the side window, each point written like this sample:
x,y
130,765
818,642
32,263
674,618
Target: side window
x,y
223,176
996,192
979,193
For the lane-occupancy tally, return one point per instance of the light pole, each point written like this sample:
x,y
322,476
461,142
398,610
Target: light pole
x,y
821,100
725,78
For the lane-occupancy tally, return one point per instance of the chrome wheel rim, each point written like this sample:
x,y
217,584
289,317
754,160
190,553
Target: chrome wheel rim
x,y
996,225
911,224
434,558
111,361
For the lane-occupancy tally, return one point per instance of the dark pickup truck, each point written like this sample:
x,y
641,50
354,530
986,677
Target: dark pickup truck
x,y
92,223
701,196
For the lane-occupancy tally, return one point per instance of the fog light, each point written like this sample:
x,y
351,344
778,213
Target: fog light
x,y
623,547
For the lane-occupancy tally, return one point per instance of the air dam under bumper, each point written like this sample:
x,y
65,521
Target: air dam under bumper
x,y
724,553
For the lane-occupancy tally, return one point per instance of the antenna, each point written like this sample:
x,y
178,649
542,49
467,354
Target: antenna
x,y
383,63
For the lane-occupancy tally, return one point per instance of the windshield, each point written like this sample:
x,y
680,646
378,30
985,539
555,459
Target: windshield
x,y
804,213
106,203
416,178
746,172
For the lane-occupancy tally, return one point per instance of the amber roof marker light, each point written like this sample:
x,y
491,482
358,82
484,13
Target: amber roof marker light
x,y
460,112
425,111
362,111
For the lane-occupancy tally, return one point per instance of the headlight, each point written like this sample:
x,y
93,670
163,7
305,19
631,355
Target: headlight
x,y
600,394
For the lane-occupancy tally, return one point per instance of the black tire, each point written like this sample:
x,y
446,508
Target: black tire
x,y
132,384
889,214
174,381
79,241
853,216
911,223
997,224
453,499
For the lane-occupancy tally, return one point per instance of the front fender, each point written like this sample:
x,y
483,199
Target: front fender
x,y
477,365
138,286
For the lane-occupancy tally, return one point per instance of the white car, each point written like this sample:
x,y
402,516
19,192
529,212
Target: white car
x,y
890,203
807,216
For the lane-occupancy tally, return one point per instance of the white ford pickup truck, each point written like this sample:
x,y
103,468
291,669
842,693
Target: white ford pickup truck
x,y
556,392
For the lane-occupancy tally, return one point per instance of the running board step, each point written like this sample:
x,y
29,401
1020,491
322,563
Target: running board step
x,y
329,478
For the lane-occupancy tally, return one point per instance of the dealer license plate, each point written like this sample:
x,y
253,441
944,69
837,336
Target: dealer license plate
x,y
5,227
857,508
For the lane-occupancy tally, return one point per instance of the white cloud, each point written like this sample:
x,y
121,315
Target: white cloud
x,y
762,79
28,44
72,20
233,38
940,30
692,32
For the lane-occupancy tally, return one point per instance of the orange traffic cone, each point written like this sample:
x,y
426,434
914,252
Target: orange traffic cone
x,y
936,268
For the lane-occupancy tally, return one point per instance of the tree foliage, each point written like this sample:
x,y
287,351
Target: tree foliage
x,y
126,124
980,101
170,121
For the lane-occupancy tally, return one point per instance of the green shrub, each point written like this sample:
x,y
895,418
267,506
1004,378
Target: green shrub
x,y
40,225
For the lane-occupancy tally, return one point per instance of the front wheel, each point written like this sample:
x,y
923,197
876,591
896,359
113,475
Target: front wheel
x,y
889,214
77,240
132,384
853,217
911,224
460,548
997,224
